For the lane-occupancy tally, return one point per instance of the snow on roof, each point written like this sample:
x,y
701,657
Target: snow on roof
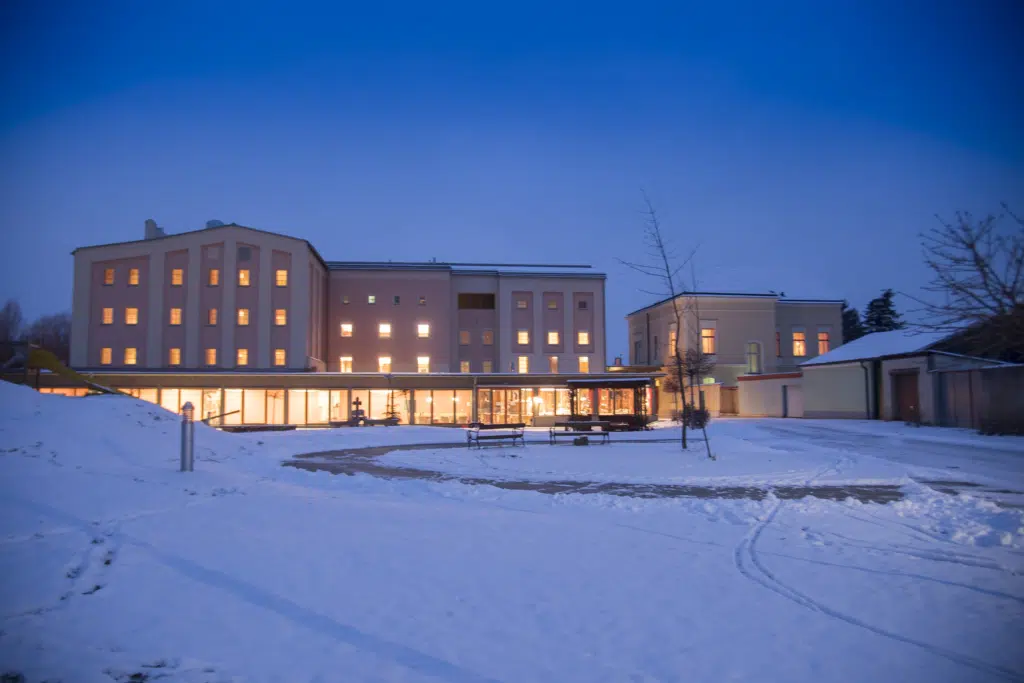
x,y
879,345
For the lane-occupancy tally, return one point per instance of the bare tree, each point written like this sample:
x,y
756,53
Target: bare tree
x,y
664,269
978,278
10,322
53,333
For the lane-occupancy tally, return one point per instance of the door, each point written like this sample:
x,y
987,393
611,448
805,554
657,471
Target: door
x,y
792,400
905,397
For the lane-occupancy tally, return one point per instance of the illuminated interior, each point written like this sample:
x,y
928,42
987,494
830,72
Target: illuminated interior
x,y
243,277
131,316
242,357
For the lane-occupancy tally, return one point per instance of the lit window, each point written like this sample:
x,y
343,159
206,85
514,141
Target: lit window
x,y
488,337
345,299
523,337
799,343
384,330
106,355
371,299
464,337
708,380
584,364
243,316
345,364
280,317
108,316
464,366
174,357
707,340
177,277
582,304
552,338
753,358
213,278
583,338
488,366
823,343
552,304
346,329
396,300
131,316
281,277
384,364
279,356
175,316
524,364
242,357
423,330
133,277
672,343
131,355
211,356
423,364
243,277
211,316
108,276
553,364
520,303
423,301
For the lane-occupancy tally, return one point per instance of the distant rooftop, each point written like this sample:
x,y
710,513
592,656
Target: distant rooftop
x,y
880,345
740,295
474,268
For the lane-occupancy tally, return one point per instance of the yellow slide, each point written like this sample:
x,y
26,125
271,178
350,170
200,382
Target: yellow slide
x,y
41,359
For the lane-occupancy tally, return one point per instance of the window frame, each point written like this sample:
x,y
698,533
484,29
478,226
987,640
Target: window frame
x,y
134,356
381,363
582,337
557,338
709,341
213,277
212,317
244,277
280,358
133,277
520,335
423,330
106,355
382,333
802,342
553,365
174,317
135,312
171,353
106,319
177,277
109,277
280,317
280,277
421,363
345,364
242,357
242,313
464,366
583,364
523,365
347,327
206,356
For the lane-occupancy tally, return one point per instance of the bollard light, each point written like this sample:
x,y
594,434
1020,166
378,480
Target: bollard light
x,y
188,427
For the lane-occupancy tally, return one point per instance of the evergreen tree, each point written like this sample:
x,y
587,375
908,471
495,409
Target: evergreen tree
x,y
853,328
880,314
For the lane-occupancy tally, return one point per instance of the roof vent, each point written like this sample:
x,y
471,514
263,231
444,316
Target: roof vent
x,y
214,223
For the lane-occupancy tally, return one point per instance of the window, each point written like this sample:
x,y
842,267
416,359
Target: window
x,y
423,330
131,355
778,344
243,316
108,276
384,364
279,354
584,364
487,337
553,338
177,277
213,277
211,316
524,364
523,337
520,303
707,340
799,343
464,366
106,355
108,316
582,304
280,317
242,357
583,338
281,277
345,364
243,277
488,366
553,364
672,343
423,301
175,316
346,329
384,330
131,316
395,300
423,364
211,356
464,337
345,299
552,304
133,277
754,358
708,380
476,301
823,342
174,357
371,299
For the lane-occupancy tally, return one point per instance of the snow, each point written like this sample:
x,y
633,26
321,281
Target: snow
x,y
879,345
116,565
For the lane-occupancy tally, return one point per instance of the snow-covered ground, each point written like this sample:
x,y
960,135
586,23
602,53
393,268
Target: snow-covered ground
x,y
115,565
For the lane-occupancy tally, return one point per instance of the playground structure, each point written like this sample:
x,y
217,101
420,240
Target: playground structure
x,y
30,357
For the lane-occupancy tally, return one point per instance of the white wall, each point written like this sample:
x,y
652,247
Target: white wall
x,y
763,397
836,391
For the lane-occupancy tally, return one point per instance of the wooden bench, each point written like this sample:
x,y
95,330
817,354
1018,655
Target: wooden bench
x,y
512,431
598,429
384,421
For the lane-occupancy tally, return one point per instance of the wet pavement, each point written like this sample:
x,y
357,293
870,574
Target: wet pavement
x,y
364,461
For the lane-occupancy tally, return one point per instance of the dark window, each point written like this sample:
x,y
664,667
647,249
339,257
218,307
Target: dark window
x,y
396,299
476,301
423,301
582,305
244,253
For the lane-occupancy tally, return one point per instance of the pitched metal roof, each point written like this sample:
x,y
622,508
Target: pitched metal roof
x,y
737,295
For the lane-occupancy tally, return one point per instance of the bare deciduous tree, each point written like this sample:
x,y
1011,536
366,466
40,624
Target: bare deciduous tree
x,y
10,322
53,333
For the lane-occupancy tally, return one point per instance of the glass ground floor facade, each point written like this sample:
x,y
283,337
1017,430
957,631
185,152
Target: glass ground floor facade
x,y
449,400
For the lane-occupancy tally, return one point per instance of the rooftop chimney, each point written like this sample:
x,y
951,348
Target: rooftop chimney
x,y
152,231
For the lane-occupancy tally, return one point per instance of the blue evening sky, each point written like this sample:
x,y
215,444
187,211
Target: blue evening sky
x,y
801,145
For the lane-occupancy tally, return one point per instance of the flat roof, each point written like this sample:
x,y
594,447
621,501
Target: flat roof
x,y
469,269
738,295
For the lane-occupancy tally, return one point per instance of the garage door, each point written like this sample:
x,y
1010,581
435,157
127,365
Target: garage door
x,y
792,401
905,397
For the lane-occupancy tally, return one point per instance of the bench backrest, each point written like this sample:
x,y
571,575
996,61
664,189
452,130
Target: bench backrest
x,y
483,427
